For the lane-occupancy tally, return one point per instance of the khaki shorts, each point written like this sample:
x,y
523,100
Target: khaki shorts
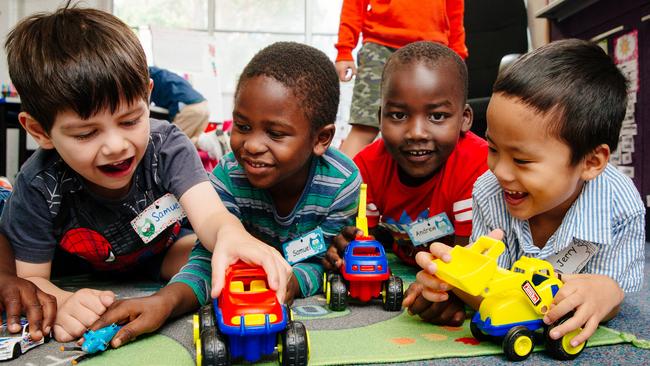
x,y
193,119
365,95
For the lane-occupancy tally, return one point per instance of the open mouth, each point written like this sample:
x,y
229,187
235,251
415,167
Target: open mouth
x,y
117,167
514,197
417,155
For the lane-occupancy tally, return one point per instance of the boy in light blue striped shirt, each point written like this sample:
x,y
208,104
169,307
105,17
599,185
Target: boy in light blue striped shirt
x,y
553,121
282,179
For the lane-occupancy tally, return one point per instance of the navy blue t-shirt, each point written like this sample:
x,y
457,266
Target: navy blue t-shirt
x,y
169,89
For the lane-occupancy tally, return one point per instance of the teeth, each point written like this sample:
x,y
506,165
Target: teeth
x,y
513,192
419,152
258,165
118,163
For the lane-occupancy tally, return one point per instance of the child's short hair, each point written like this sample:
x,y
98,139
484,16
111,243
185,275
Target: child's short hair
x,y
429,53
82,60
577,82
306,71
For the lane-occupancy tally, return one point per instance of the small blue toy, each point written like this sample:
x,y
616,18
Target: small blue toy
x,y
94,341
98,340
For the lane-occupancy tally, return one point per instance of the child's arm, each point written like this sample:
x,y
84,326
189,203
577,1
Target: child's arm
x,y
224,235
76,311
18,295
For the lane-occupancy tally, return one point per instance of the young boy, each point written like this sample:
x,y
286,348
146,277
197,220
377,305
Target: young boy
x,y
282,180
553,121
107,186
420,173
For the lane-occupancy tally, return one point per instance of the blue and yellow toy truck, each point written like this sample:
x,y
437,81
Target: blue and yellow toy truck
x,y
365,274
247,321
514,301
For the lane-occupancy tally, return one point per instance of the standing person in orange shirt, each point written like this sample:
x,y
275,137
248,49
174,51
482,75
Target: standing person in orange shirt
x,y
387,26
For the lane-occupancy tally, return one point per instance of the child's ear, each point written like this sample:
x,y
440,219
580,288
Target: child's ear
x,y
324,138
468,118
595,162
35,130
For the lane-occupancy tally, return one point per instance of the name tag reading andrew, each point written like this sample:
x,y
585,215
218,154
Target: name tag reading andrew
x,y
304,247
573,258
163,213
423,232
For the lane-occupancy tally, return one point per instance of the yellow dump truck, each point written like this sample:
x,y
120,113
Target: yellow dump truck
x,y
514,301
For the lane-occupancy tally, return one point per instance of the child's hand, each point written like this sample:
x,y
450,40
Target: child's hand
x,y
243,246
450,312
593,297
333,259
18,295
79,311
345,70
293,290
142,315
429,286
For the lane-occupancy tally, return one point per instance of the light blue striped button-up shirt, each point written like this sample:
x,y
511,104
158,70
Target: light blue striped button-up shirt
x,y
609,213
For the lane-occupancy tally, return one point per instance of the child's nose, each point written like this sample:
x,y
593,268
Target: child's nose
x,y
254,145
114,144
502,170
417,129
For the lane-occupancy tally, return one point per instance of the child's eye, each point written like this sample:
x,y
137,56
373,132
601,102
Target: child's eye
x,y
275,134
437,117
521,161
129,123
398,116
492,149
85,136
242,127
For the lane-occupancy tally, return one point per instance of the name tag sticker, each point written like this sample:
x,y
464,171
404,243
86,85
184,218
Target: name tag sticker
x,y
573,258
306,246
423,232
163,213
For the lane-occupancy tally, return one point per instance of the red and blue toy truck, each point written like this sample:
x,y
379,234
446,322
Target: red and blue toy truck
x,y
248,321
365,274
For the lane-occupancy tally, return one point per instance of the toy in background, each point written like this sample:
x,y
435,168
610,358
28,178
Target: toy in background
x,y
8,90
248,321
365,274
12,345
94,341
213,144
514,301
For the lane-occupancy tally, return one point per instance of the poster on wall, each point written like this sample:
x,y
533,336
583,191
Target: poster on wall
x,y
626,58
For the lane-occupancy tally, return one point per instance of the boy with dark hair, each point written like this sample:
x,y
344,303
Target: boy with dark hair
x,y
553,121
420,173
288,187
108,186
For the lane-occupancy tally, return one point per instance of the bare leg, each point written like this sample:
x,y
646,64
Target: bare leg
x,y
177,256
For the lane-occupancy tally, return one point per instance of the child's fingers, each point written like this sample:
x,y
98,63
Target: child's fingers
x,y
425,260
563,303
440,250
61,335
49,310
576,321
13,308
587,331
435,296
412,298
118,314
332,259
219,265
430,282
497,234
92,300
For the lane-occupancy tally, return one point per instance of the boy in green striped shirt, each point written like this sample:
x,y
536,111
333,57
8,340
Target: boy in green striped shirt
x,y
282,179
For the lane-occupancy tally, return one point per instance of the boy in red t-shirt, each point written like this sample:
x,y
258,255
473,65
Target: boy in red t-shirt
x,y
421,172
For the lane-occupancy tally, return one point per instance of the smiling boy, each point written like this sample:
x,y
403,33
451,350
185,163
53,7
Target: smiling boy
x,y
103,168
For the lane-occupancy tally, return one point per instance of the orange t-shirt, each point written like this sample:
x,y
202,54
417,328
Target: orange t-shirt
x,y
396,23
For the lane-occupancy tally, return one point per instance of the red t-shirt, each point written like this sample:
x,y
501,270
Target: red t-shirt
x,y
396,205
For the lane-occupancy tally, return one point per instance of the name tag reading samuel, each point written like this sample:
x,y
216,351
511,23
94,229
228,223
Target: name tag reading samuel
x,y
423,232
304,247
163,213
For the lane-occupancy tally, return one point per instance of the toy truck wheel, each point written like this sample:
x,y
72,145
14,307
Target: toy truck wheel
x,y
214,351
561,349
337,293
295,345
16,352
518,343
393,294
207,318
478,333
